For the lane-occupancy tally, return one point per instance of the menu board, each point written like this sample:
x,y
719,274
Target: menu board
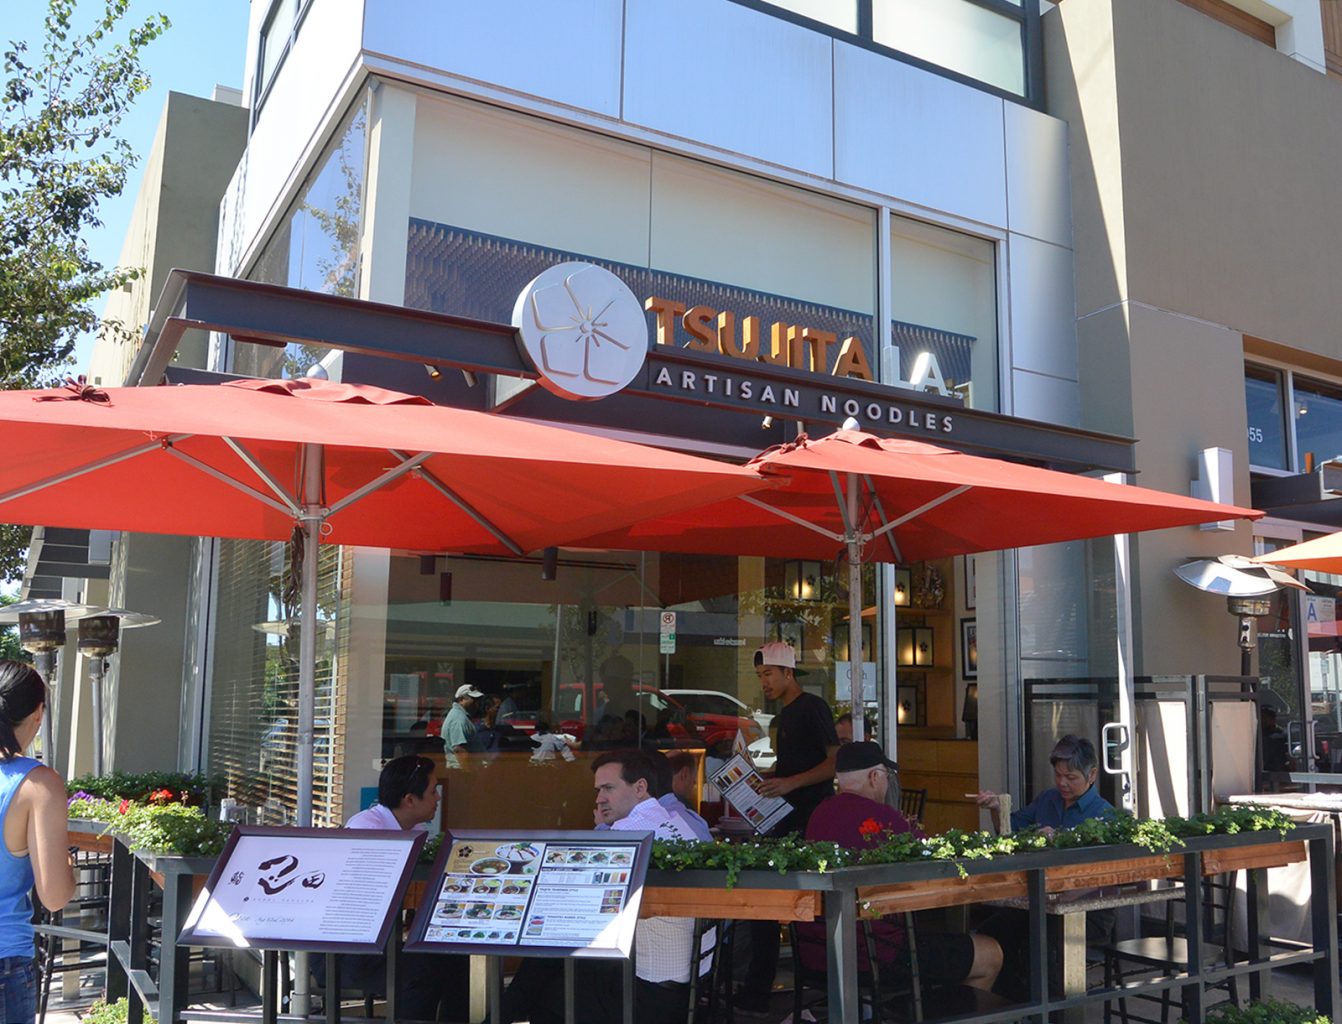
x,y
534,893
318,889
740,785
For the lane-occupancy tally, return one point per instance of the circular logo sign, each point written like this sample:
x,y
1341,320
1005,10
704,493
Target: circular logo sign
x,y
582,329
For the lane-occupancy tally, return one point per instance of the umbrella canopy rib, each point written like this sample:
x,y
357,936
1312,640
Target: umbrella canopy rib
x,y
466,507
88,467
886,527
254,464
406,464
926,507
798,520
287,506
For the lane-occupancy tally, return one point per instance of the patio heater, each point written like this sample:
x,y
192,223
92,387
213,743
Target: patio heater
x,y
1246,586
42,634
99,638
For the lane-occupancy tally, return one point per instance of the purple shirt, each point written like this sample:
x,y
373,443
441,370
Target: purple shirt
x,y
840,819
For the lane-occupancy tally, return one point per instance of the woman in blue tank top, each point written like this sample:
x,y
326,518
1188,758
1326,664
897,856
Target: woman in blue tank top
x,y
33,848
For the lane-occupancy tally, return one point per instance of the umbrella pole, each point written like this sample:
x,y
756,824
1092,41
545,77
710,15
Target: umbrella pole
x,y
45,663
855,612
96,669
312,517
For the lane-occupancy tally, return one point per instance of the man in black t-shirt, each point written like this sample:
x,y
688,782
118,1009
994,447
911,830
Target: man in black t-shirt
x,y
804,776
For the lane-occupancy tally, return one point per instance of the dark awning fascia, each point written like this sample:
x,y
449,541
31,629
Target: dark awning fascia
x,y
274,315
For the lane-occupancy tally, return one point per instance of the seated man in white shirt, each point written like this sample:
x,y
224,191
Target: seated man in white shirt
x,y
625,781
431,987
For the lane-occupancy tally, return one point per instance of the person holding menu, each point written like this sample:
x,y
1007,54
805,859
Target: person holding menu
x,y
804,776
625,781
431,987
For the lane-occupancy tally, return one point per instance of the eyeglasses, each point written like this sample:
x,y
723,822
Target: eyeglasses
x,y
422,766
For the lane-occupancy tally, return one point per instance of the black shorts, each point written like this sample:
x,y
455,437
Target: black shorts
x,y
944,958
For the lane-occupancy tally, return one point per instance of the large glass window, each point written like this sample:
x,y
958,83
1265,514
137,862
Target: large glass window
x,y
316,246
943,290
958,35
841,14
1318,423
1267,425
253,701
582,656
987,41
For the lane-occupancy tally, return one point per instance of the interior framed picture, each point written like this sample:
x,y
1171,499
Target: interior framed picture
x,y
971,599
969,648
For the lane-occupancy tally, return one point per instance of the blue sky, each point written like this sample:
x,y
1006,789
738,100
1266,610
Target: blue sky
x,y
205,46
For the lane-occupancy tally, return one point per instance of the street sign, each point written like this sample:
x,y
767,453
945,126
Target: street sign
x,y
667,634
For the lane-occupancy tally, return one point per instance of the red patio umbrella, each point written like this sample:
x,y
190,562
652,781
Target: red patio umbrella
x,y
896,500
347,464
1323,554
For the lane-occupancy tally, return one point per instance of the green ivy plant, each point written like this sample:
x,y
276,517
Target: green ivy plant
x,y
165,829
1270,1012
138,787
102,1012
957,846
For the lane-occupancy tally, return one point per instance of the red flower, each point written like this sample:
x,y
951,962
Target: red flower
x,y
870,828
161,796
124,806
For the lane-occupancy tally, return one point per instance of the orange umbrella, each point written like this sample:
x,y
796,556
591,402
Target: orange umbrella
x,y
897,500
386,469
346,464
1323,554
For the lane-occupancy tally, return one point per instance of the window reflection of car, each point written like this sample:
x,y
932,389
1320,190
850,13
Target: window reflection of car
x,y
667,720
279,741
721,714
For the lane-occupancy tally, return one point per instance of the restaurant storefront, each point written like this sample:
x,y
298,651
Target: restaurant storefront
x,y
760,302
792,275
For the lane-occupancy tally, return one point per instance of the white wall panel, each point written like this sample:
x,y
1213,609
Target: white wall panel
x,y
712,224
917,136
1039,194
1043,307
568,51
1047,399
727,76
300,98
505,174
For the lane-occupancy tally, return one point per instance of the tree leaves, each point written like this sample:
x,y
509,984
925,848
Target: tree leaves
x,y
60,156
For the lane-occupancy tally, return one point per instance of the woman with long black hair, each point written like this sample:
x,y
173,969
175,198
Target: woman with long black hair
x,y
34,851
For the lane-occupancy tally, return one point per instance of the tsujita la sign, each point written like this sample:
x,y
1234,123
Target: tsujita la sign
x,y
585,334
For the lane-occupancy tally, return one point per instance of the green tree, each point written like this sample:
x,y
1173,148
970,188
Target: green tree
x,y
60,156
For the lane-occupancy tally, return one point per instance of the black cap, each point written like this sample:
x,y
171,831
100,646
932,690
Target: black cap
x,y
856,757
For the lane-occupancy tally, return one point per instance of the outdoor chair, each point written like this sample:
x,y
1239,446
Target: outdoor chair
x,y
711,976
92,886
1166,955
912,803
892,999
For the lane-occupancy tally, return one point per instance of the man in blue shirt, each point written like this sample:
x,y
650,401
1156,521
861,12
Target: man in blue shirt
x,y
1071,801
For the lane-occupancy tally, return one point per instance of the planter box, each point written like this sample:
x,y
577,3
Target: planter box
x,y
949,892
738,904
87,836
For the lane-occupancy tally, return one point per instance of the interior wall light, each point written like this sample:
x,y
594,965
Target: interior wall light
x,y
766,423
468,377
915,646
903,586
433,371
802,580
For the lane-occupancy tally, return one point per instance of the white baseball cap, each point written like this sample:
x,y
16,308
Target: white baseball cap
x,y
467,690
777,653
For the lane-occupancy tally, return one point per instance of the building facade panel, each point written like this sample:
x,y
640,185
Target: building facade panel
x,y
1039,192
732,78
304,93
1043,307
566,52
904,132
